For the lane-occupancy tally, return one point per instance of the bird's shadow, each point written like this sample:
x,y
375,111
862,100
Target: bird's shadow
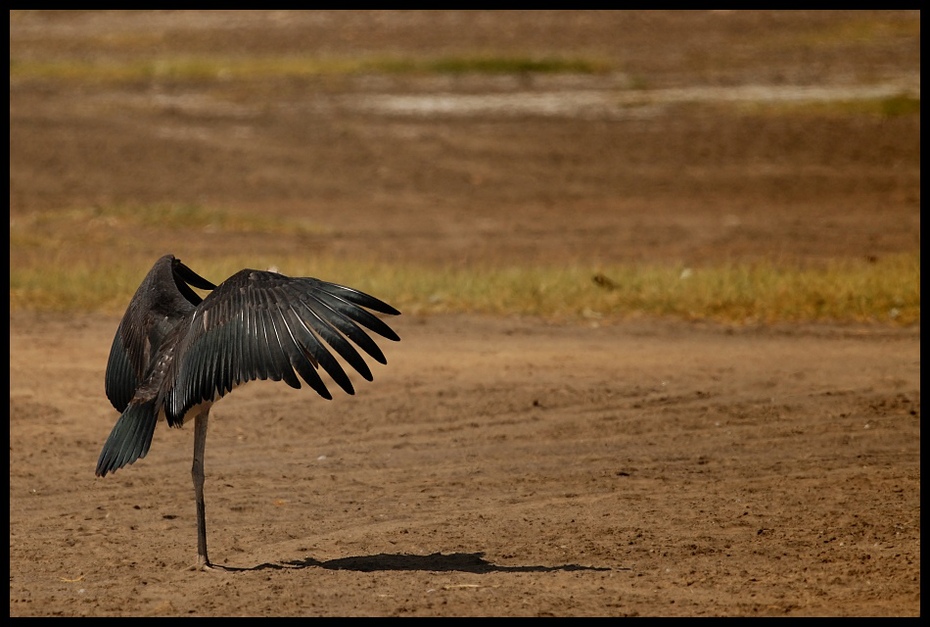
x,y
461,562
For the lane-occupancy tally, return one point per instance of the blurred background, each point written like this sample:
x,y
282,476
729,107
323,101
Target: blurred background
x,y
417,154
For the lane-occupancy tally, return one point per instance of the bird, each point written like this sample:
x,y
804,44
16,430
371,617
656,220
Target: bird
x,y
175,354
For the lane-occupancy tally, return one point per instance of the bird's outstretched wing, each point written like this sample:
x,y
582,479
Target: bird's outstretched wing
x,y
163,298
264,325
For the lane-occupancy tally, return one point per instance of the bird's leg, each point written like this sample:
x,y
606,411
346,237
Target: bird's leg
x,y
200,441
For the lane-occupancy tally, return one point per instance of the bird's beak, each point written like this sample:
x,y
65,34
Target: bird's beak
x,y
192,278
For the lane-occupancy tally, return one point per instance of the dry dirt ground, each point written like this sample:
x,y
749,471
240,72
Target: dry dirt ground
x,y
497,466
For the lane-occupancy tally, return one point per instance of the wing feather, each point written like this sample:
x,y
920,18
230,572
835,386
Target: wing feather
x,y
312,344
345,325
278,336
121,378
325,329
357,297
355,312
264,325
302,359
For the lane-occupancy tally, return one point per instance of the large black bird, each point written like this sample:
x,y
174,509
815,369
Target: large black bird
x,y
175,354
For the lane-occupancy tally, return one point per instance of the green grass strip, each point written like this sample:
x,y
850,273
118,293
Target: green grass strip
x,y
194,68
884,290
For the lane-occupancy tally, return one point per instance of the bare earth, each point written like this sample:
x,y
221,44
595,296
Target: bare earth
x,y
497,466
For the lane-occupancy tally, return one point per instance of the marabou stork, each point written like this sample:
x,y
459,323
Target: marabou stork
x,y
175,354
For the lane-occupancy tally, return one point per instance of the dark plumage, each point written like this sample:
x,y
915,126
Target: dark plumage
x,y
175,354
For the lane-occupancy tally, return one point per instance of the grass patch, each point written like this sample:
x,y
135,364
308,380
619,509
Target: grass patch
x,y
92,259
885,290
235,68
900,105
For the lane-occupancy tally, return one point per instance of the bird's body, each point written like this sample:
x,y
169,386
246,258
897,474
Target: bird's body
x,y
174,354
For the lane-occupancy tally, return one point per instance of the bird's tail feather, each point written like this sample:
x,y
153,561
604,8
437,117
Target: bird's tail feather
x,y
130,439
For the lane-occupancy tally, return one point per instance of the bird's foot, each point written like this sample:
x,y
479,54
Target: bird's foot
x,y
203,565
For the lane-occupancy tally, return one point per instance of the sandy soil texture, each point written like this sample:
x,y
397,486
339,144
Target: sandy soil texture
x,y
496,466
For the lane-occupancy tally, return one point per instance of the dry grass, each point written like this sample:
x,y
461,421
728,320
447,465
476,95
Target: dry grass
x,y
206,68
93,260
883,290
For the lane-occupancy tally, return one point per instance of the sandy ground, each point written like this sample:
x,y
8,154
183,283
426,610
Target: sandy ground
x,y
496,466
